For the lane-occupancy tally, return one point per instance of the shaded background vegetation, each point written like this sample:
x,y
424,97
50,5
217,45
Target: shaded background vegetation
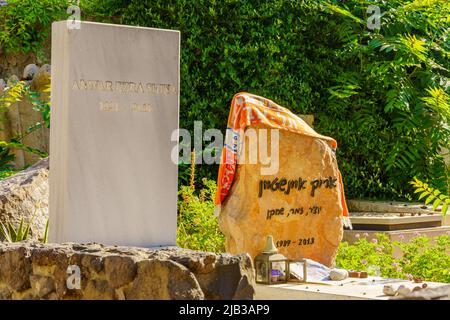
x,y
382,94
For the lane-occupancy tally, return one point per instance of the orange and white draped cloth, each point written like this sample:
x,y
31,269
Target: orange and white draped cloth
x,y
249,109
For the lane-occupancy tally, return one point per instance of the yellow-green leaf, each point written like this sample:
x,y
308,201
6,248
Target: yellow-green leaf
x,y
436,203
424,194
444,209
429,199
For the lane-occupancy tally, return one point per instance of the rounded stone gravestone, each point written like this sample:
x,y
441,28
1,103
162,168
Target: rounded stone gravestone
x,y
301,204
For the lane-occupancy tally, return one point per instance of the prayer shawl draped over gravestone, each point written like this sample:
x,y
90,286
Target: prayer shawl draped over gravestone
x,y
302,204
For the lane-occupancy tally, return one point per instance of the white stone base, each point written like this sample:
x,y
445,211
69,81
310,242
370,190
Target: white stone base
x,y
349,289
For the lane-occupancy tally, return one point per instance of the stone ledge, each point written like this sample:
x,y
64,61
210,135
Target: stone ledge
x,y
391,207
32,270
391,220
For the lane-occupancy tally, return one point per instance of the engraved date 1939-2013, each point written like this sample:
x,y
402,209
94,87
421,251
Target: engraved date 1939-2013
x,y
300,242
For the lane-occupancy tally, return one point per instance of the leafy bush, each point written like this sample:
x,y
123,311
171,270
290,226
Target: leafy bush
x,y
432,195
383,94
393,93
25,24
421,257
198,227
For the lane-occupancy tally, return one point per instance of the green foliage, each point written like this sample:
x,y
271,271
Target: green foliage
x,y
421,257
45,237
11,95
25,24
6,163
383,94
426,259
41,104
198,227
21,233
398,107
438,100
432,195
11,234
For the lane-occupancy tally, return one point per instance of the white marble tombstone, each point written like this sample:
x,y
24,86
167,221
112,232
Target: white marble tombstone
x,y
115,104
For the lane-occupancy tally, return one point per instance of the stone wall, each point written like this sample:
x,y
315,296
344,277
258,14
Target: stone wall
x,y
32,270
24,197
